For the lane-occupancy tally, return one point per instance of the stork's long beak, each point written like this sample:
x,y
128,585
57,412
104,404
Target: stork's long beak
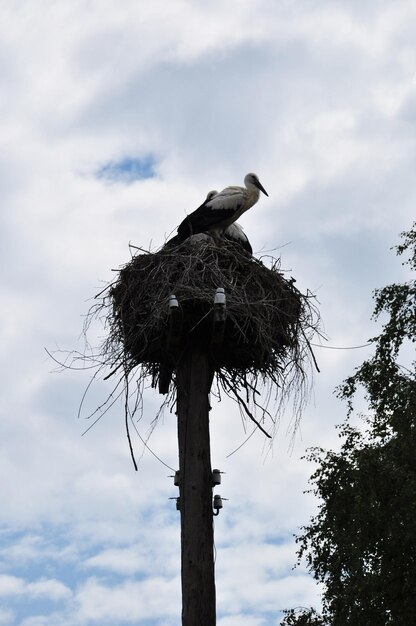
x,y
260,186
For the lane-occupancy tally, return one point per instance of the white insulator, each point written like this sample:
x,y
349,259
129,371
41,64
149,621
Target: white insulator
x,y
173,302
216,477
217,502
177,478
219,297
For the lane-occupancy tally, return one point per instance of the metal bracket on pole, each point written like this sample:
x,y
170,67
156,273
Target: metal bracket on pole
x,y
174,324
178,502
216,477
219,317
173,340
217,504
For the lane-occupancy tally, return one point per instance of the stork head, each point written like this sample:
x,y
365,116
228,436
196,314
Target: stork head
x,y
210,195
252,180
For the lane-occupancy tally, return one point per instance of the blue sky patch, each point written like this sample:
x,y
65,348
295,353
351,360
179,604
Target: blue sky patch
x,y
128,170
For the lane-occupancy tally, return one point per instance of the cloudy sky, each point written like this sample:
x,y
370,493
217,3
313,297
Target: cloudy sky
x,y
116,119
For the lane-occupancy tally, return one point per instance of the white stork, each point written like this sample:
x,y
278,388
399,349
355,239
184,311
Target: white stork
x,y
216,213
234,232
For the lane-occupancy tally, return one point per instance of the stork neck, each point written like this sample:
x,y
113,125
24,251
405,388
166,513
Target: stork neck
x,y
253,195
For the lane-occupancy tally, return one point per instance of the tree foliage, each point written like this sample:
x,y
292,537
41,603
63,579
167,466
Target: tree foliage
x,y
361,544
302,617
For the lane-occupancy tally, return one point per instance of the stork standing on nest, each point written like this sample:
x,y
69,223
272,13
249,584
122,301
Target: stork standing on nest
x,y
221,210
234,232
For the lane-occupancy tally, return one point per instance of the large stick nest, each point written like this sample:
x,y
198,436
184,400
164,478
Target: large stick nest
x,y
264,310
268,325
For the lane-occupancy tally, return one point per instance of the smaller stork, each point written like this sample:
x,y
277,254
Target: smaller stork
x,y
210,195
176,240
236,234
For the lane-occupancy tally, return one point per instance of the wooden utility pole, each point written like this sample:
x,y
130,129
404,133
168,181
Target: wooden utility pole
x,y
263,333
193,379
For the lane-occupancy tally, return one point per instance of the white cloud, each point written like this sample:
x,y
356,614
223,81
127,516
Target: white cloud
x,y
6,617
240,620
52,589
319,100
44,588
10,585
141,557
258,578
130,601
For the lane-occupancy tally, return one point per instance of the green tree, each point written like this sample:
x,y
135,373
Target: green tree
x,y
362,543
302,617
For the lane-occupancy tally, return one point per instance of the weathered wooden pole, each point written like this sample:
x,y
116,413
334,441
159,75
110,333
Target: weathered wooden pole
x,y
263,335
193,379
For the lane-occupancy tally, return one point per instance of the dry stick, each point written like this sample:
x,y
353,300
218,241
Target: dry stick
x,y
126,416
247,410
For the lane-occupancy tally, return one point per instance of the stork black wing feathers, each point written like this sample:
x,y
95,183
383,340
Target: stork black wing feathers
x,y
244,243
204,218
